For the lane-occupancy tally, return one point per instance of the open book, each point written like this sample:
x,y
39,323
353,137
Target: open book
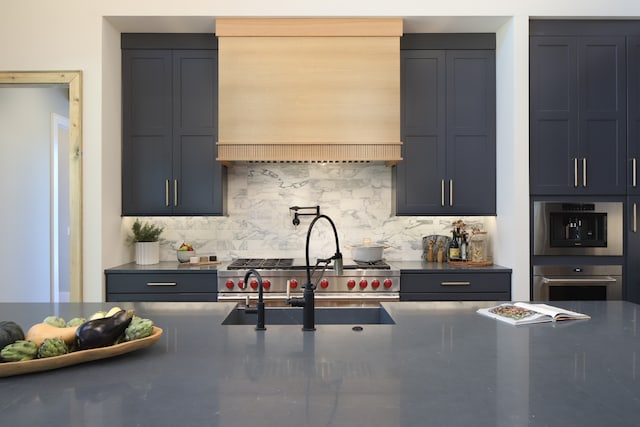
x,y
522,313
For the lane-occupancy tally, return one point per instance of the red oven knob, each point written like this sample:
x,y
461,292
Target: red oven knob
x,y
266,283
293,283
388,283
351,284
241,284
375,283
324,283
363,283
254,284
229,284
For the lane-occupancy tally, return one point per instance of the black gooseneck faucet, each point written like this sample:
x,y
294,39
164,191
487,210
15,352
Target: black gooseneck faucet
x,y
308,300
260,306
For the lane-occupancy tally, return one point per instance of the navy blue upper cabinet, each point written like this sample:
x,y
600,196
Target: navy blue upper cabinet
x,y
448,132
577,115
633,114
170,113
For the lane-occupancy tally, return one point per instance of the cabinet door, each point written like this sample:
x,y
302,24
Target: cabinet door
x,y
553,120
420,175
197,175
633,114
577,115
631,290
448,133
471,124
602,114
147,132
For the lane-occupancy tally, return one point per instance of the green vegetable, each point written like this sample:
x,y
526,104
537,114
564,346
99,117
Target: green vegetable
x,y
52,347
76,321
103,332
19,351
58,322
139,328
10,332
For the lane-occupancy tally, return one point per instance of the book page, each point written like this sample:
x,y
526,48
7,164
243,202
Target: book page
x,y
511,313
556,312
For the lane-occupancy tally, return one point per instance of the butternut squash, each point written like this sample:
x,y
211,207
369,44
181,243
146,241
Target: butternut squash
x,y
40,331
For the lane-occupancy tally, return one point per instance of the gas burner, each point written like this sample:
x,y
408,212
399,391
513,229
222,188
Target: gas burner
x,y
373,264
260,263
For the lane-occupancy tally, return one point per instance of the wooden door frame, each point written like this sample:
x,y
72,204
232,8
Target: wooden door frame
x,y
74,81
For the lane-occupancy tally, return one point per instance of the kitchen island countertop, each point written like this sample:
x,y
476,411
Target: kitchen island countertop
x,y
440,364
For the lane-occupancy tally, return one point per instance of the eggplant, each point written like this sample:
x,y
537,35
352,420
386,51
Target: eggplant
x,y
103,332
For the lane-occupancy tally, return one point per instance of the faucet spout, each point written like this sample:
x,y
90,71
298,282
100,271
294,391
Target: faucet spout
x,y
308,316
260,305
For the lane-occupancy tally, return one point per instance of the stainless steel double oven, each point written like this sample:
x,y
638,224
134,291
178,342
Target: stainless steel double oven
x,y
577,250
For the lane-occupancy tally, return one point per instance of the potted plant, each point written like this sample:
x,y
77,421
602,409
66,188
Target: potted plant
x,y
146,238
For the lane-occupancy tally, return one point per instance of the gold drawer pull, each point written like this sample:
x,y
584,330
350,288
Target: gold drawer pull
x,y
455,283
161,283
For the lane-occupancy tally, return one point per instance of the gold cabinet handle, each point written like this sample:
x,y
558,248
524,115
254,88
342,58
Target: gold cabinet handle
x,y
166,192
584,171
575,172
635,217
175,192
634,173
442,193
450,192
455,283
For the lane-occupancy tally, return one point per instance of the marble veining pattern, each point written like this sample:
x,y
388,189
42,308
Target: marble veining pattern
x,y
357,196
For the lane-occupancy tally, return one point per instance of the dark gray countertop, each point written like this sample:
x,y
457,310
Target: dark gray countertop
x,y
441,364
423,266
405,266
161,267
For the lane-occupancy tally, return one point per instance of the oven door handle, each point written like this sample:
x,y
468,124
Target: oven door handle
x,y
605,279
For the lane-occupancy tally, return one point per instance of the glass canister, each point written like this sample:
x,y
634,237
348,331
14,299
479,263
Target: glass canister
x,y
479,247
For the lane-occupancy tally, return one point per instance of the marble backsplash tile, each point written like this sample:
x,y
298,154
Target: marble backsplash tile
x,y
357,196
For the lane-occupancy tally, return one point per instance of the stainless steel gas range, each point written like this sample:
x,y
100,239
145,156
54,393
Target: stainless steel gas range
x,y
358,283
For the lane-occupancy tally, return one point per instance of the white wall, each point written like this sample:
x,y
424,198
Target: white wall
x,y
72,34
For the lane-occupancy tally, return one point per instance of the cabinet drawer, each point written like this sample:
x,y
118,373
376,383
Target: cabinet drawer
x,y
460,296
166,297
455,283
161,283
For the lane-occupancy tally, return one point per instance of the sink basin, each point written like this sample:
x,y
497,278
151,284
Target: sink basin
x,y
375,315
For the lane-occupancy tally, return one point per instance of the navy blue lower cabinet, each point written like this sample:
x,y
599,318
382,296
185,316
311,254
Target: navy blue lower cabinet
x,y
455,286
170,287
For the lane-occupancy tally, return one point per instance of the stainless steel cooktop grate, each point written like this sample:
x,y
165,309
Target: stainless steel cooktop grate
x,y
288,264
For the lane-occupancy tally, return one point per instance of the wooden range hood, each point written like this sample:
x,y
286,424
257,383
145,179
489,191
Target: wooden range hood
x,y
309,89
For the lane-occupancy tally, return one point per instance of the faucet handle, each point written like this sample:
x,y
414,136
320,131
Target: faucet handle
x,y
338,266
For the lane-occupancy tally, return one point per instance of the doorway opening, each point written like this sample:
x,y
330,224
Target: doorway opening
x,y
73,81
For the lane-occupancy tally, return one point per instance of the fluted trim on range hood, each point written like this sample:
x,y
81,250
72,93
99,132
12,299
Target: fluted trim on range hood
x,y
309,89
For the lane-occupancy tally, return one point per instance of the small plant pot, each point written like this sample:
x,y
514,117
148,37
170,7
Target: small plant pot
x,y
185,256
147,253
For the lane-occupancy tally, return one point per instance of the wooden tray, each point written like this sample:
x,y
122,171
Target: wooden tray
x,y
8,369
471,263
197,264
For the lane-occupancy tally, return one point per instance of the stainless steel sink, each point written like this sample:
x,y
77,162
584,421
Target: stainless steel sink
x,y
369,315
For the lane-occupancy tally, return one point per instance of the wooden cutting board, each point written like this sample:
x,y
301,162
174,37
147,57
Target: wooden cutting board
x,y
196,264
